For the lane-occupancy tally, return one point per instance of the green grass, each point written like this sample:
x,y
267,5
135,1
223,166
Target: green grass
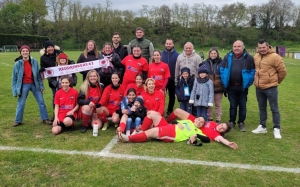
x,y
26,168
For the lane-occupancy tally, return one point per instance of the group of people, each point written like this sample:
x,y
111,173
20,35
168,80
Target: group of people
x,y
131,93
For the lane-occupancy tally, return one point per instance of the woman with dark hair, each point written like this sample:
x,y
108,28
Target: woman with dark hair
x,y
113,62
89,98
159,71
65,106
212,64
134,64
111,100
138,85
90,53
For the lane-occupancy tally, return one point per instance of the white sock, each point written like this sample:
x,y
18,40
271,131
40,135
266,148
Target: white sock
x,y
127,132
134,132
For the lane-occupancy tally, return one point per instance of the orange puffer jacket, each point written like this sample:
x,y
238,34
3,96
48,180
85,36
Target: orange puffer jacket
x,y
270,69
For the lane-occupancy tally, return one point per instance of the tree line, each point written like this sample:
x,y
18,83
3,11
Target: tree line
x,y
70,24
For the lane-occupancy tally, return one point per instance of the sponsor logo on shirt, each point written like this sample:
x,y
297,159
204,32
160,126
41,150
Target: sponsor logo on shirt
x,y
67,107
133,69
116,103
157,77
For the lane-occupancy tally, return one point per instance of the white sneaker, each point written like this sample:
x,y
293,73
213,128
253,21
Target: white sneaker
x,y
105,126
122,137
277,133
259,130
127,132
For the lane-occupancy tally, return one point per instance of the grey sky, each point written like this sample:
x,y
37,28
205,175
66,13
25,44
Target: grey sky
x,y
136,5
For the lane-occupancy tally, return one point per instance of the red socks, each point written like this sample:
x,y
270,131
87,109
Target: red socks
x,y
122,126
191,117
140,137
171,117
85,120
146,124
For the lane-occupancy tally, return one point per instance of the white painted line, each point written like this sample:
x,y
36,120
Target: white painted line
x,y
105,153
292,63
6,64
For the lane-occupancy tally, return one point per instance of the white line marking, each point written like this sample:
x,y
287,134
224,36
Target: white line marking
x,y
6,64
292,63
105,153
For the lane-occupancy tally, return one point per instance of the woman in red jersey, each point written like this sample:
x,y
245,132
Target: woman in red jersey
x,y
134,64
89,97
153,99
65,106
159,71
111,100
138,86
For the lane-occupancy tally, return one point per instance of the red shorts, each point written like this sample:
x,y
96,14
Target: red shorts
x,y
167,133
162,123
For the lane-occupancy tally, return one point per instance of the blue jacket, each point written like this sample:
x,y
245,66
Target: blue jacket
x,y
248,70
179,89
170,57
17,76
126,105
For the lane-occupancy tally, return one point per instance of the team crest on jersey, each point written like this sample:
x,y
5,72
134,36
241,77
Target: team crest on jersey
x,y
162,70
139,64
156,99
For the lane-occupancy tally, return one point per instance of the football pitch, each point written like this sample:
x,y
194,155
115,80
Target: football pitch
x,y
31,156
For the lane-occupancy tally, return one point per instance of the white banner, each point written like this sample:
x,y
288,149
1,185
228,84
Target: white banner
x,y
74,68
297,55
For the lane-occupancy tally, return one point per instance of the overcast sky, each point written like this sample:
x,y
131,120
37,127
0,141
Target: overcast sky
x,y
136,5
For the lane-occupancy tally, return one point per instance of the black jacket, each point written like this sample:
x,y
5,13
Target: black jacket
x,y
179,89
121,51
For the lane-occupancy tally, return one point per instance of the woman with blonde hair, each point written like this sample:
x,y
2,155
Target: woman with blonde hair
x,y
90,53
89,98
153,99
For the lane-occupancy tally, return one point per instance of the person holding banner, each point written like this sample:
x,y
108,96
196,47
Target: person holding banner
x,y
88,99
111,100
62,60
134,64
90,53
114,64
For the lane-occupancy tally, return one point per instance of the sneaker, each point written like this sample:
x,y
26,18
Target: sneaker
x,y
16,124
277,133
47,121
232,124
259,130
122,137
105,126
242,127
83,129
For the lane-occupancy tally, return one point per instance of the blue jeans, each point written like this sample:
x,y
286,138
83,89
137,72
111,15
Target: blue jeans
x,y
270,94
130,124
185,105
202,111
22,101
237,98
53,96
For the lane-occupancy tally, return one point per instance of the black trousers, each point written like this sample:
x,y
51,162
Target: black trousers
x,y
171,93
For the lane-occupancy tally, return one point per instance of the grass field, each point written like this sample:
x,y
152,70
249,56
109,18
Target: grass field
x,y
31,156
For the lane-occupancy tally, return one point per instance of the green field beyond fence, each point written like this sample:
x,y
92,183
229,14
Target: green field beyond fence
x,y
31,156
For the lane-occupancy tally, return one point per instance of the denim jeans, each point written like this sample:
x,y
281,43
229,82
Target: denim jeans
x,y
185,105
22,101
202,111
270,94
237,98
53,96
132,125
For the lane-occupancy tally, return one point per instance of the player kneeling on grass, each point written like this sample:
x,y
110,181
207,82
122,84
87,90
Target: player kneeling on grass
x,y
65,111
210,128
162,130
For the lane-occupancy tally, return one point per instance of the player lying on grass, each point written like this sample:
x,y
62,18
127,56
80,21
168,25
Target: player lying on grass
x,y
211,129
162,130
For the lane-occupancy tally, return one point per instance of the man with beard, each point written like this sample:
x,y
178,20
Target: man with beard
x,y
169,56
120,49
